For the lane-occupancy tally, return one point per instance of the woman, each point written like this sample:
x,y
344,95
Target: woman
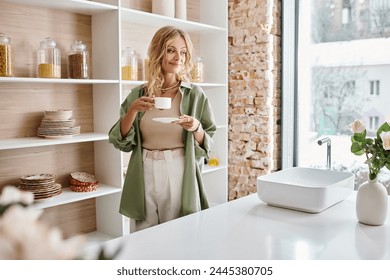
x,y
163,179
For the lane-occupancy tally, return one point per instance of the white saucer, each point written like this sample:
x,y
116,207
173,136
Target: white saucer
x,y
165,120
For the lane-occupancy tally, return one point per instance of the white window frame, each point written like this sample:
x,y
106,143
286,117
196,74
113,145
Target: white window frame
x,y
374,87
374,122
289,82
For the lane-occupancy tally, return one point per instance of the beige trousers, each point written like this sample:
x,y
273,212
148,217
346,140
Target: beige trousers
x,y
163,173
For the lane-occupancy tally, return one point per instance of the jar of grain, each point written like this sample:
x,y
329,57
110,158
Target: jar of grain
x,y
129,65
78,61
146,68
49,60
198,71
6,57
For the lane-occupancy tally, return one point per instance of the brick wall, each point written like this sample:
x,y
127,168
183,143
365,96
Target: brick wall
x,y
254,92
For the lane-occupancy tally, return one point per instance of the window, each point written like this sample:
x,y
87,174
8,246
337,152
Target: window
x,y
374,123
346,15
346,12
374,87
334,67
380,15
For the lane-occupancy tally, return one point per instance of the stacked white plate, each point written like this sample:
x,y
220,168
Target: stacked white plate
x,y
41,185
58,124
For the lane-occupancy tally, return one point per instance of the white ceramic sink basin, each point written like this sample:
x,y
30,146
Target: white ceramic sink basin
x,y
305,189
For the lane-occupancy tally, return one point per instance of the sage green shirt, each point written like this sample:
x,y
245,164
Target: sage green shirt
x,y
194,103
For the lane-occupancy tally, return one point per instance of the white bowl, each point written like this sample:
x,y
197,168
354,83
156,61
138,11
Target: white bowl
x,y
305,189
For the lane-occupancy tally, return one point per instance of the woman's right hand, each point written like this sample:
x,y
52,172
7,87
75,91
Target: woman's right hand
x,y
143,104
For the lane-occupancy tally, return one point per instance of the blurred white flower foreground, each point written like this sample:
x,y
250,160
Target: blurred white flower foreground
x,y
24,237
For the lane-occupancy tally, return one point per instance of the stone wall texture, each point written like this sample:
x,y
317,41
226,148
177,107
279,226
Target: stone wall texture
x,y
254,92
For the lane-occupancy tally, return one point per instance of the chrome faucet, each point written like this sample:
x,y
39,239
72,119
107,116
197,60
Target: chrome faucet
x,y
328,150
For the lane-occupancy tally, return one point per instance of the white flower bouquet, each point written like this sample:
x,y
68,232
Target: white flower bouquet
x,y
377,150
24,237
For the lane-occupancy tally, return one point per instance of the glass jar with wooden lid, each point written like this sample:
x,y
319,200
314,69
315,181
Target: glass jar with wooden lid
x,y
197,72
49,60
6,57
129,64
78,61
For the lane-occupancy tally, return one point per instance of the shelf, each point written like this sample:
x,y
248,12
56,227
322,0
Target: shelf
x,y
68,196
19,80
154,20
210,169
132,83
30,142
74,6
210,85
203,85
222,126
129,15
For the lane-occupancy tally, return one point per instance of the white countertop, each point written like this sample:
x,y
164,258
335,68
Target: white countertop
x,y
247,228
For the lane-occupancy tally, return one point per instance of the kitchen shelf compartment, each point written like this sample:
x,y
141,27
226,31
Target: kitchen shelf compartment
x,y
68,196
30,142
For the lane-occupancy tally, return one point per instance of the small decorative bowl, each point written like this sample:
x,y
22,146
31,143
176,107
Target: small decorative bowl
x,y
83,182
82,178
89,188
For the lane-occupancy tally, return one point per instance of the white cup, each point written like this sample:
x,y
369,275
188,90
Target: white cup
x,y
162,102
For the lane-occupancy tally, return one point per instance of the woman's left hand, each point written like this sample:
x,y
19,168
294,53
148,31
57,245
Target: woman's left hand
x,y
187,122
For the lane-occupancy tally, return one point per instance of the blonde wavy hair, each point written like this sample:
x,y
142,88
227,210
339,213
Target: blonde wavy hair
x,y
157,50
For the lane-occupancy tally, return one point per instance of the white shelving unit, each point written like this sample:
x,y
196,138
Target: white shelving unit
x,y
114,27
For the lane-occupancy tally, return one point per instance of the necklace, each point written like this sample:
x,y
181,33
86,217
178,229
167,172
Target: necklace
x,y
163,90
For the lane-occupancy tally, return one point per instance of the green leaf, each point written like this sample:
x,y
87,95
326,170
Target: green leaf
x,y
384,127
357,149
359,137
104,256
372,176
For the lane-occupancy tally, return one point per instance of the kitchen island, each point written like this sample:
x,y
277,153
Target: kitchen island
x,y
247,228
